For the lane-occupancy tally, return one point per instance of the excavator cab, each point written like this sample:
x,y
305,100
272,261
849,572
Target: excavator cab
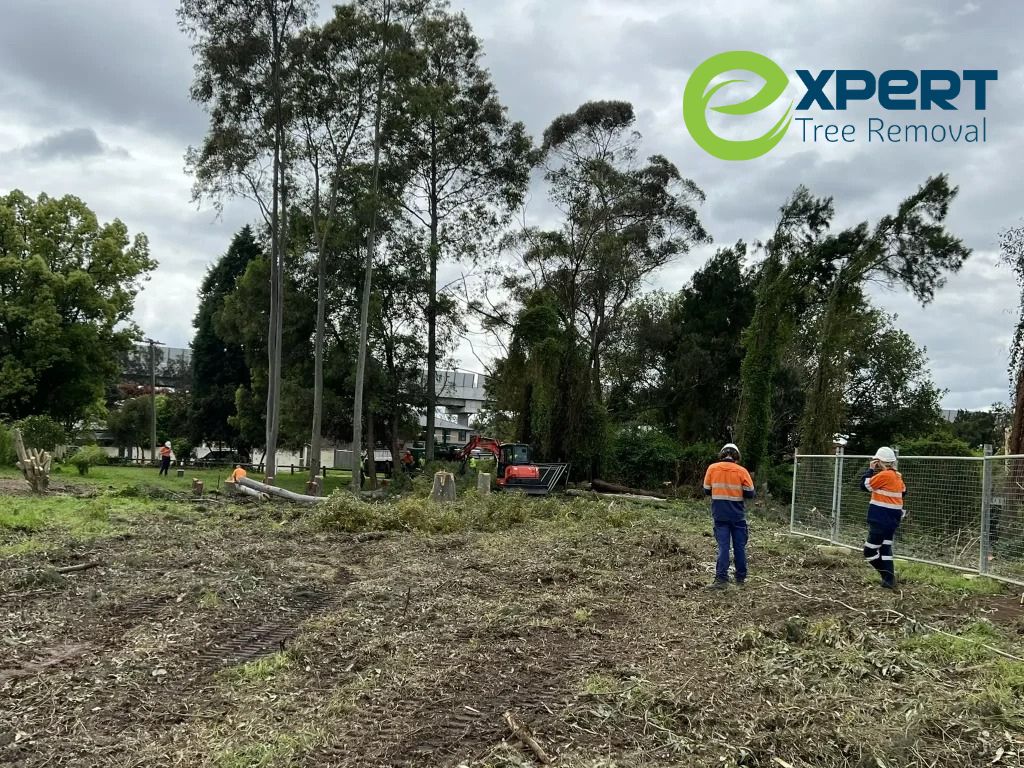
x,y
512,455
516,470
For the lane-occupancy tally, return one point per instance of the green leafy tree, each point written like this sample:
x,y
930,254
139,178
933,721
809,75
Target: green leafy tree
x,y
888,393
909,249
245,78
980,428
1011,244
471,163
781,291
677,360
41,432
67,291
218,366
130,424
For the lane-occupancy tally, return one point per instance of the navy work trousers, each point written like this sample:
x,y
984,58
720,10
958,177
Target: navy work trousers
x,y
878,550
731,532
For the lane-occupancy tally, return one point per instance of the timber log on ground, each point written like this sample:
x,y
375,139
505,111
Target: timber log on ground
x,y
602,487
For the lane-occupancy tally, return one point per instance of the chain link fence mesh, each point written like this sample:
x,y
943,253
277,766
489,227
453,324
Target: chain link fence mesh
x,y
963,512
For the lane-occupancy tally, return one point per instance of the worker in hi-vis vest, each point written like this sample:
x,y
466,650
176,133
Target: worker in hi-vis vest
x,y
165,457
729,485
885,512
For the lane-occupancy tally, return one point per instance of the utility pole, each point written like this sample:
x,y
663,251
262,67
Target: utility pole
x,y
152,395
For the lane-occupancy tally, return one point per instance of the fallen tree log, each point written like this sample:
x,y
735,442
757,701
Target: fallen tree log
x,y
650,500
273,490
602,487
241,490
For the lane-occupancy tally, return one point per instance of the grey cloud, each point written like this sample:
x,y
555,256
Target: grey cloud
x,y
123,62
71,144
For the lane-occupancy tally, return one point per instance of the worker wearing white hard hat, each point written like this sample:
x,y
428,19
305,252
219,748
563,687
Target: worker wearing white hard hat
x,y
885,511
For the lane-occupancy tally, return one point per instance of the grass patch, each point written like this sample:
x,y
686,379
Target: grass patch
x,y
277,750
582,615
945,579
967,647
490,513
600,685
258,670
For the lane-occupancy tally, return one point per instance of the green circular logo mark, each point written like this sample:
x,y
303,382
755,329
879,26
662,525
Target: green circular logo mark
x,y
699,91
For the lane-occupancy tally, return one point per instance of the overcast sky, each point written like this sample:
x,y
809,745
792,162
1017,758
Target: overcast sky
x,y
94,102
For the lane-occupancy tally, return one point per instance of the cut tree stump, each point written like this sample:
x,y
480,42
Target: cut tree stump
x,y
314,487
34,464
483,483
444,487
197,487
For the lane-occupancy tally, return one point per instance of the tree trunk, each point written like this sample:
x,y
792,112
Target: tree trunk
x,y
432,301
318,365
371,247
277,226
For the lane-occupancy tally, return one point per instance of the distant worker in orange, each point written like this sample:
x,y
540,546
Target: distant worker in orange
x,y
165,457
885,512
728,484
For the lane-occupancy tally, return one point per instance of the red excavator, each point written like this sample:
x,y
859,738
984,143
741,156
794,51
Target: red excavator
x,y
516,470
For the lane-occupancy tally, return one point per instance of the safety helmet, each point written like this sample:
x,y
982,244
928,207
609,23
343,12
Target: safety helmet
x,y
729,451
886,455
167,444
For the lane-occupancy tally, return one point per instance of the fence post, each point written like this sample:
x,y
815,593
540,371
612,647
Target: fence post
x,y
986,509
840,452
834,532
792,492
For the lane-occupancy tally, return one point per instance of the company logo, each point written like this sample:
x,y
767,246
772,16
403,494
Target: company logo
x,y
894,90
698,95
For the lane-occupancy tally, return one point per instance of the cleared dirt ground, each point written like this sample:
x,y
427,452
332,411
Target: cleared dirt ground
x,y
231,636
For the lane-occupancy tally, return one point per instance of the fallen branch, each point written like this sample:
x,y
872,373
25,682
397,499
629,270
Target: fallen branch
x,y
651,500
524,736
77,568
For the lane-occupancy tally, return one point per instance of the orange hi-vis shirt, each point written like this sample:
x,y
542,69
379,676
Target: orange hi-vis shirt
x,y
728,484
238,473
887,490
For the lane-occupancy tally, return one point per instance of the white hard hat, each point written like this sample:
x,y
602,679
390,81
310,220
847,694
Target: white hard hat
x,y
168,444
885,455
730,447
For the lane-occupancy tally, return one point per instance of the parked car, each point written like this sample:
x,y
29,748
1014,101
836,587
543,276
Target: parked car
x,y
222,457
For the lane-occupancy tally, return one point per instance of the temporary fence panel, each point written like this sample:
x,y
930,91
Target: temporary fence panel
x,y
961,512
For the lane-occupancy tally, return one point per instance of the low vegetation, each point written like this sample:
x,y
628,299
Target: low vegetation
x,y
399,632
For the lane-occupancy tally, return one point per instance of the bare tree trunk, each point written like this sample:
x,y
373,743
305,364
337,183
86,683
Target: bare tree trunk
x,y
318,347
277,226
371,247
432,300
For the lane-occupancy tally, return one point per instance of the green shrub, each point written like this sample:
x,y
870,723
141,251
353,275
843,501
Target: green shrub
x,y
87,456
641,456
41,432
7,455
182,448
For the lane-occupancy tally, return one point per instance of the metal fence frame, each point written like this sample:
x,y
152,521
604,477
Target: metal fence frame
x,y
972,477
